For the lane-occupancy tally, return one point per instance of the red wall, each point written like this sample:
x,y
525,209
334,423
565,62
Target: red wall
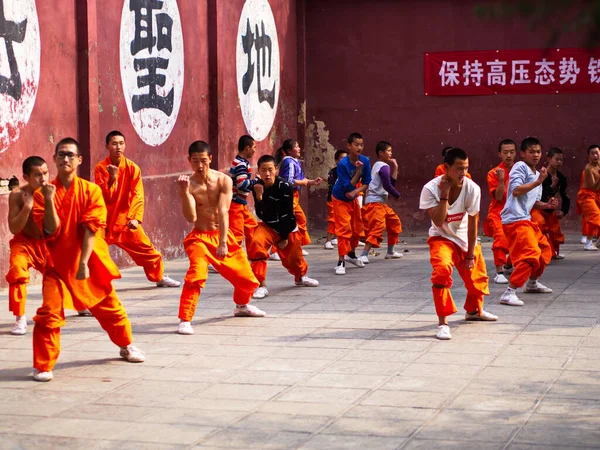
x,y
365,73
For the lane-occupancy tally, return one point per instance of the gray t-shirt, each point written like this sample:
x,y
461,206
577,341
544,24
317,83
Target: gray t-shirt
x,y
519,208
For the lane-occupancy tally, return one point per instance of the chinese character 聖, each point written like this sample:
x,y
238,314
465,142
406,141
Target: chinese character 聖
x,y
545,74
496,75
449,73
520,75
472,71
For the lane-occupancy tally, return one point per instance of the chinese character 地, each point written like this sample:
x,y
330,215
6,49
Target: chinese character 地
x,y
496,75
568,70
11,32
472,72
145,38
449,73
520,75
545,74
264,55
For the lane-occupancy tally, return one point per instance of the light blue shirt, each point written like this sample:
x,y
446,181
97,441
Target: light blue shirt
x,y
519,208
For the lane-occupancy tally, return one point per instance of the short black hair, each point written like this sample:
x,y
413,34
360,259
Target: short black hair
x,y
31,162
529,142
339,153
112,134
264,159
506,142
245,141
453,154
66,141
353,137
554,151
591,147
381,146
445,149
199,147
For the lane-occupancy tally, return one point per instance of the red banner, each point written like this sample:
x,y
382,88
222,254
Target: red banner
x,y
540,71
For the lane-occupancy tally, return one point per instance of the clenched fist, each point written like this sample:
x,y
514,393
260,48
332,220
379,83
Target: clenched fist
x,y
543,175
500,174
113,171
259,189
48,191
184,183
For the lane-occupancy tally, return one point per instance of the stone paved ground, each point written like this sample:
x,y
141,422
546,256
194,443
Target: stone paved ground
x,y
352,364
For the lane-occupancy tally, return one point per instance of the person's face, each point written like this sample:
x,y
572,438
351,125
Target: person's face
x,y
594,155
37,177
532,155
342,156
556,161
356,148
268,172
116,147
458,170
386,155
67,159
200,162
295,151
508,153
250,150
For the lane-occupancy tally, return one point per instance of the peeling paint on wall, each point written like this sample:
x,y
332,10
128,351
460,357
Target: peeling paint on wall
x,y
319,152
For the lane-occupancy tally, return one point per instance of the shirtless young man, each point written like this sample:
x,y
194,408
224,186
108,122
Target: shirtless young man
x,y
588,196
205,198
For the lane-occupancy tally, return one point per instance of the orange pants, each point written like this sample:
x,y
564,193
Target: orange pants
x,y
378,217
529,249
550,227
348,225
24,253
444,255
590,209
50,317
493,227
241,223
201,248
137,245
291,256
330,219
301,219
585,230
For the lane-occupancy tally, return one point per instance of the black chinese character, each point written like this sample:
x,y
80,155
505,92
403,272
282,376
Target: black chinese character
x,y
263,44
144,24
153,79
11,32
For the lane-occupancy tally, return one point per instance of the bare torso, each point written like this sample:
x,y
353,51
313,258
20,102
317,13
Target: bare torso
x,y
207,194
591,176
16,204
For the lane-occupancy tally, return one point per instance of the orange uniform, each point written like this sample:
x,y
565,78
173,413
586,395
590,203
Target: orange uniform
x,y
441,170
444,255
493,224
584,226
78,206
241,222
201,248
378,217
124,202
529,249
349,225
330,218
301,219
588,201
25,252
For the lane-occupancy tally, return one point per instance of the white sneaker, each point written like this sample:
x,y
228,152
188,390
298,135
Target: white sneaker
x,y
443,333
20,326
590,247
583,239
132,354
84,313
185,328
537,288
363,259
274,257
357,262
559,256
484,316
305,253
212,269
308,282
260,292
328,245
500,279
42,376
361,244
168,282
511,299
394,255
334,241
248,311
340,269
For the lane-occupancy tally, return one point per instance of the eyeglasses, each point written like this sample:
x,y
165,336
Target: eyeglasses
x,y
69,155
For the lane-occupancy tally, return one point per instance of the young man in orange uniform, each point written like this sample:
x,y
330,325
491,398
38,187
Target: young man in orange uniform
x,y
205,198
79,272
274,201
529,249
27,249
588,197
452,202
497,179
121,182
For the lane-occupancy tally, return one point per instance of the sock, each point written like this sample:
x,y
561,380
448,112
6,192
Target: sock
x,y
390,249
500,273
474,313
364,253
352,254
341,263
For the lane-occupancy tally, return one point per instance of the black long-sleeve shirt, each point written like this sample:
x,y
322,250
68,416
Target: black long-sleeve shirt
x,y
276,209
561,188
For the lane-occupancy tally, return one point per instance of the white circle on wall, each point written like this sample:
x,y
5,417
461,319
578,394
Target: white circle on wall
x,y
20,51
258,67
152,66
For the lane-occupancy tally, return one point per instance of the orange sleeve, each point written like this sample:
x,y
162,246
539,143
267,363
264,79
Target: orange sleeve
x,y
93,215
101,178
136,196
39,208
440,170
492,180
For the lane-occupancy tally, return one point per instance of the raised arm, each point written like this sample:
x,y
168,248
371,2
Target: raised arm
x,y
19,214
225,195
188,203
51,220
525,188
438,213
106,178
386,181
